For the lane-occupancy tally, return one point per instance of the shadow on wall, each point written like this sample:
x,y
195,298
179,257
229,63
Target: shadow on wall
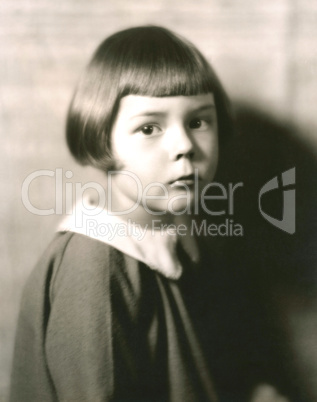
x,y
277,268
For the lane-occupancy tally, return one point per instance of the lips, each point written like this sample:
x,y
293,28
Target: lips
x,y
186,179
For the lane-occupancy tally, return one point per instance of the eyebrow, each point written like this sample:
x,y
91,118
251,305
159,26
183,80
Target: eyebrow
x,y
204,107
149,113
145,114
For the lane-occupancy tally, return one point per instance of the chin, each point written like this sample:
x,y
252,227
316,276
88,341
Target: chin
x,y
165,208
181,206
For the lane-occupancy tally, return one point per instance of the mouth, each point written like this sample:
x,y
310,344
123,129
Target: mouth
x,y
188,180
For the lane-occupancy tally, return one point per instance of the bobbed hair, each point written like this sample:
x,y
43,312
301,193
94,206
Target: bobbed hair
x,y
148,61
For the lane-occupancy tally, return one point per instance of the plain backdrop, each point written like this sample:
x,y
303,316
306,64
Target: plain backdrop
x,y
264,52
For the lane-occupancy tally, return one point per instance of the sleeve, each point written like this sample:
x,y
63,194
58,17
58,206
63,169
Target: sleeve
x,y
64,342
30,379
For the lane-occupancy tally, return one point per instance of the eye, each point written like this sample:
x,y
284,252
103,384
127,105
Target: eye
x,y
196,124
149,129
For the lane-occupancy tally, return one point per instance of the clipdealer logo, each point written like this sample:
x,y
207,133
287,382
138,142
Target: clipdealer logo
x,y
288,221
66,192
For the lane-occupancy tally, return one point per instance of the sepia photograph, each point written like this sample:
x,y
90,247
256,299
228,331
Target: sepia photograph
x,y
158,201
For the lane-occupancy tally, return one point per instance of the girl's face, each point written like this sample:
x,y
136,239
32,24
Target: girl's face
x,y
162,142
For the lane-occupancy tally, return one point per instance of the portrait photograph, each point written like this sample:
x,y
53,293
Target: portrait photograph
x,y
158,201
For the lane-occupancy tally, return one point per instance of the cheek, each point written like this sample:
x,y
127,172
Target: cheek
x,y
214,152
139,164
123,156
210,157
208,146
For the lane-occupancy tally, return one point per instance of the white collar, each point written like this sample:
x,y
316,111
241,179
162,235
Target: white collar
x,y
155,246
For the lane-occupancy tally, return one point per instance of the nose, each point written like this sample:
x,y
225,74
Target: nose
x,y
179,143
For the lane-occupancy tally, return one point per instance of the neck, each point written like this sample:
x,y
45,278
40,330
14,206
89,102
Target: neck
x,y
159,224
138,212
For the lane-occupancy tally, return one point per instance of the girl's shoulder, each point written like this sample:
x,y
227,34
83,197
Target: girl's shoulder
x,y
74,245
69,249
77,264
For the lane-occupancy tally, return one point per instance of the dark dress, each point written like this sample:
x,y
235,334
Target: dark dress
x,y
98,325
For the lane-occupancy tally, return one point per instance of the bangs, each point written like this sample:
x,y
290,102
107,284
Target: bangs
x,y
163,66
155,62
166,77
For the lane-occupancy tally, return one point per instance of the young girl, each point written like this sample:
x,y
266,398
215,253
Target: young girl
x,y
148,313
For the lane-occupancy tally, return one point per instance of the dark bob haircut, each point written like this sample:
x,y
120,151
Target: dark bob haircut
x,y
148,61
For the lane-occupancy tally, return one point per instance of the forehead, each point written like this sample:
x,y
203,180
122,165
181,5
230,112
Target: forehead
x,y
136,105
